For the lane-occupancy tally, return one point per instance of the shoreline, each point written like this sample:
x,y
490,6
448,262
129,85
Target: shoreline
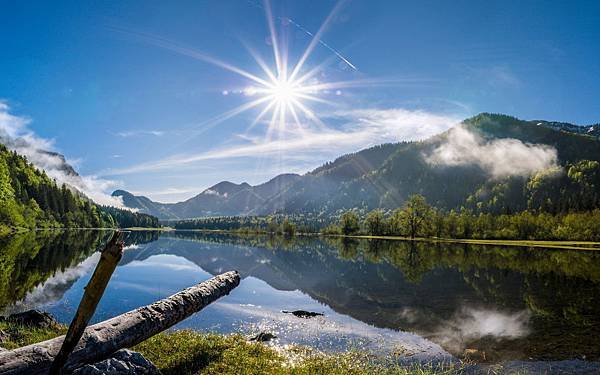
x,y
552,244
549,244
189,351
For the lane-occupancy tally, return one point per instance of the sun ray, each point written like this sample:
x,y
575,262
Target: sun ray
x,y
296,119
315,99
261,115
352,83
271,126
310,114
315,40
311,73
284,89
271,22
231,113
259,60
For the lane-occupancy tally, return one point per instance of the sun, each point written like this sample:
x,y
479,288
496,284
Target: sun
x,y
285,90
285,98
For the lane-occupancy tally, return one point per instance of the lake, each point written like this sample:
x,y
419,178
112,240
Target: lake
x,y
425,300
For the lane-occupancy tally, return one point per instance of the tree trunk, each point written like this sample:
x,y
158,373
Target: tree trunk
x,y
101,340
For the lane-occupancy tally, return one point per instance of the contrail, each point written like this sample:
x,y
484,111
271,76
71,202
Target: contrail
x,y
309,33
321,42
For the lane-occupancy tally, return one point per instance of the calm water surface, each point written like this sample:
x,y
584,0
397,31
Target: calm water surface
x,y
423,300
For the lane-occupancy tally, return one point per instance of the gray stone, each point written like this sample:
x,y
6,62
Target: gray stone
x,y
263,337
122,362
33,318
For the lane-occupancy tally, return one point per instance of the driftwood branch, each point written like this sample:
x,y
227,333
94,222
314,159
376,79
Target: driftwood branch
x,y
99,341
110,257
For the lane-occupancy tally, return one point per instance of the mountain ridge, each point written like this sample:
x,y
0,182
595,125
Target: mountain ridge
x,y
383,176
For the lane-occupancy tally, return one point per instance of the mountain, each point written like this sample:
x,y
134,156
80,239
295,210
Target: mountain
x,y
223,199
593,130
30,198
462,167
143,204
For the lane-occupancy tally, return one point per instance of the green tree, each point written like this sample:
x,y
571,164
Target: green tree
x,y
288,228
415,217
375,223
349,223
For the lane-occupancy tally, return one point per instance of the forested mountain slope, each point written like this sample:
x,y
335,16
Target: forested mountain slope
x,y
30,199
493,163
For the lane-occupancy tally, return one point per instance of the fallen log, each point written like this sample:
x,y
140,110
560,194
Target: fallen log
x,y
101,340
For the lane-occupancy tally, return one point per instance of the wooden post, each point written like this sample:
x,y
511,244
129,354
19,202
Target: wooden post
x,y
110,257
124,331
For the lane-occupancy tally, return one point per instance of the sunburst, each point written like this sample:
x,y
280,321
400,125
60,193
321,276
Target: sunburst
x,y
285,91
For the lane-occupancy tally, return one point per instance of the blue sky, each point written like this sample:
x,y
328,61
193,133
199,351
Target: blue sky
x,y
125,89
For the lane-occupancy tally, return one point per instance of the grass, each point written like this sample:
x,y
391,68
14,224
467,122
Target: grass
x,y
189,352
14,336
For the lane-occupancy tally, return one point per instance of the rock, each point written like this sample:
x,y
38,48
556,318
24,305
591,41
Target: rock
x,y
263,337
4,336
303,313
474,355
33,318
122,362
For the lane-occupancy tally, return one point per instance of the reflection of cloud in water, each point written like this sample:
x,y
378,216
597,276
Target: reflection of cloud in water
x,y
55,286
159,261
140,287
471,324
333,332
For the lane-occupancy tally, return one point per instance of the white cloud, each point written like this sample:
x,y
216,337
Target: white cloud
x,y
137,133
500,157
16,135
359,129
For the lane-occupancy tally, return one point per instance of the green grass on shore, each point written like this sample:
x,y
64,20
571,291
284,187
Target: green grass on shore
x,y
14,336
189,352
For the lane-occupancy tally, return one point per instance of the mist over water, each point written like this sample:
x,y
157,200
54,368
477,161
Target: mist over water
x,y
471,324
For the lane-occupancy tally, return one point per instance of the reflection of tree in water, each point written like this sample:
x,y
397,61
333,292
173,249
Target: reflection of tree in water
x,y
138,237
29,259
413,286
561,289
420,287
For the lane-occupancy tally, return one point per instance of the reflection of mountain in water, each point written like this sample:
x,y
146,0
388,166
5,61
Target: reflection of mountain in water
x,y
39,267
460,296
513,302
28,260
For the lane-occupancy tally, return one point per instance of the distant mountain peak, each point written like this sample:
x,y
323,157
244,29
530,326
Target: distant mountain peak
x,y
381,176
